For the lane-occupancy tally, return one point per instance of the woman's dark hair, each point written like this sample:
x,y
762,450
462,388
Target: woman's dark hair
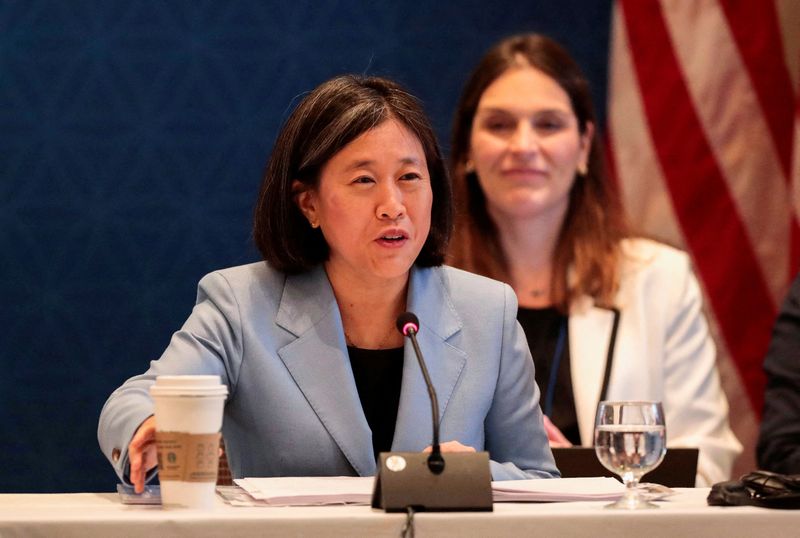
x,y
326,120
588,245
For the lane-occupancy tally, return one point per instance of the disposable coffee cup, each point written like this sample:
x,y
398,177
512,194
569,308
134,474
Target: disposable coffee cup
x,y
188,413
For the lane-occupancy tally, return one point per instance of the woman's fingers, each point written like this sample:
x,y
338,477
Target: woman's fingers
x,y
554,435
451,446
142,454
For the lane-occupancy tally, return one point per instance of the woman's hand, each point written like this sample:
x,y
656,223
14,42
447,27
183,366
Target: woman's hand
x,y
142,454
451,446
554,435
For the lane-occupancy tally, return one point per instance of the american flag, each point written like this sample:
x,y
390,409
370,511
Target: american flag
x,y
704,141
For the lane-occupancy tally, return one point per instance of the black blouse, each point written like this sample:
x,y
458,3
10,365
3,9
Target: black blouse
x,y
544,327
378,374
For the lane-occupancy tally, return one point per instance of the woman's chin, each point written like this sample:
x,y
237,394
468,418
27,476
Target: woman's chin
x,y
530,206
392,268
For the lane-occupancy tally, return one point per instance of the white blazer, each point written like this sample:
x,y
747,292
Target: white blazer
x,y
663,351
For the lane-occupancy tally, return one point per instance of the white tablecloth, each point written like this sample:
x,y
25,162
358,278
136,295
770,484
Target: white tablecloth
x,y
102,514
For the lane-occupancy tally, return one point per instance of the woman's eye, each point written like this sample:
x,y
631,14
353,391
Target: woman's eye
x,y
411,176
499,125
548,125
363,180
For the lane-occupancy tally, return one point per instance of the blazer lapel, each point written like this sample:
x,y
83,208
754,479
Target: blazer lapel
x,y
429,300
590,330
319,364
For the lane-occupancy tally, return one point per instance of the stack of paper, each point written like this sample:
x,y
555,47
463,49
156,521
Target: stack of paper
x,y
307,490
329,490
558,489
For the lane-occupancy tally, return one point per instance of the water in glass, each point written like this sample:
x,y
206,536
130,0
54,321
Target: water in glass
x,y
630,440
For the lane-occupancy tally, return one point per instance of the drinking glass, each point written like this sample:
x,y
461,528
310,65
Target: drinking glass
x,y
630,440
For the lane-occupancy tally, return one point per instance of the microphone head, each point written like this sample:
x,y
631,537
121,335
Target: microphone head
x,y
407,323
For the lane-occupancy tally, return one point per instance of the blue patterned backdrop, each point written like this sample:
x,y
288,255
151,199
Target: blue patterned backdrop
x,y
133,135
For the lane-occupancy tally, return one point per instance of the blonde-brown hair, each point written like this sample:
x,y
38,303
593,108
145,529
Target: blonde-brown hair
x,y
587,253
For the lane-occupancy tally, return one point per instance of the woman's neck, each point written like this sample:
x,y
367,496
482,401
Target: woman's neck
x,y
369,310
529,246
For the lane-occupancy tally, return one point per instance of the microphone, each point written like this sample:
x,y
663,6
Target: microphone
x,y
408,325
410,480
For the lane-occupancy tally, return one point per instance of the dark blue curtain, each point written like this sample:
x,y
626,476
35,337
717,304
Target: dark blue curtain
x,y
133,135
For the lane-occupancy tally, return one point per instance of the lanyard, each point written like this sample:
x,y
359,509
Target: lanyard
x,y
559,352
555,363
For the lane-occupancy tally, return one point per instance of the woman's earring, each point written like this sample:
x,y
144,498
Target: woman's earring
x,y
582,170
314,224
469,167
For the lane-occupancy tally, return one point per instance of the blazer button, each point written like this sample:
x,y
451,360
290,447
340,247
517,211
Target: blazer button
x,y
115,455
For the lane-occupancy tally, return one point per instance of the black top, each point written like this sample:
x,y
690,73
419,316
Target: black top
x,y
542,327
378,374
778,447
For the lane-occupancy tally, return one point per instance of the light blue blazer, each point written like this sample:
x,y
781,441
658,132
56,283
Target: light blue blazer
x,y
277,342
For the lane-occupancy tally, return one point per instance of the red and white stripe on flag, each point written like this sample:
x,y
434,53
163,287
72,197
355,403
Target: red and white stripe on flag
x,y
704,141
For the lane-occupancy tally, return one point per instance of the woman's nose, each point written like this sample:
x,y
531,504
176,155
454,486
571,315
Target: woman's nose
x,y
524,139
391,204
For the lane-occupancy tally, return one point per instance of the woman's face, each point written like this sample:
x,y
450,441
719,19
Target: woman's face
x,y
525,145
373,204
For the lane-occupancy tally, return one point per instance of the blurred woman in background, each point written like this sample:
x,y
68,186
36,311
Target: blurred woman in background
x,y
607,315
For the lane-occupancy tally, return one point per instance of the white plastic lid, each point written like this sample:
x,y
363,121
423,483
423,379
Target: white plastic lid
x,y
188,385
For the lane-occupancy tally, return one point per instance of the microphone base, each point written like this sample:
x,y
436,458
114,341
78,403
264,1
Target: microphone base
x,y
404,480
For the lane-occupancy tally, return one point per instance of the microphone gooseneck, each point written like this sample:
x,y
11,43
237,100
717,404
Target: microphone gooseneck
x,y
408,325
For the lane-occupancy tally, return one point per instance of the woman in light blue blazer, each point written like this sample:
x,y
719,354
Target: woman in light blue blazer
x,y
353,220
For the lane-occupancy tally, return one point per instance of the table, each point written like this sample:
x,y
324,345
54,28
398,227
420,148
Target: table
x,y
101,514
